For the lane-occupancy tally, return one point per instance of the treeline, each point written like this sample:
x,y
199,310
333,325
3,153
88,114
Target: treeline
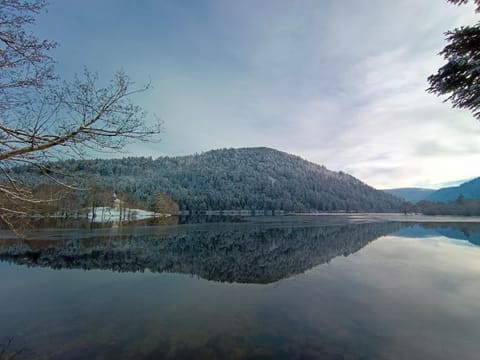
x,y
57,200
460,207
227,179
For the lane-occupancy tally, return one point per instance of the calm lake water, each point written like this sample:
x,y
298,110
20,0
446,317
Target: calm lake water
x,y
322,287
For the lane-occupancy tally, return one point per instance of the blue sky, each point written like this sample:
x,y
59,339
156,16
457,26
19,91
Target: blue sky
x,y
340,83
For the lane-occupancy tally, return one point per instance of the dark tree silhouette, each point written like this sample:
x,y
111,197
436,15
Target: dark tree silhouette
x,y
459,78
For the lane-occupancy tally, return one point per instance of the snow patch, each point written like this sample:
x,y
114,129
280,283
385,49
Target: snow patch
x,y
109,214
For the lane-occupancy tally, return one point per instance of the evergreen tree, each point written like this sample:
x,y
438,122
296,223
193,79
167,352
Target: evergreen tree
x,y
459,78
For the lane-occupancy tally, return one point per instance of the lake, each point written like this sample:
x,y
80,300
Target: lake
x,y
304,287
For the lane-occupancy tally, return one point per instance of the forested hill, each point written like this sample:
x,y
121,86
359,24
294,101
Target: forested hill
x,y
469,190
247,178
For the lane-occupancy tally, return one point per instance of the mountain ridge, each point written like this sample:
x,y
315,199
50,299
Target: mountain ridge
x,y
412,194
242,178
469,190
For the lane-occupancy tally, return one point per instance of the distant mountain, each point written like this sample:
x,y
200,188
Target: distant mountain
x,y
470,190
247,178
413,195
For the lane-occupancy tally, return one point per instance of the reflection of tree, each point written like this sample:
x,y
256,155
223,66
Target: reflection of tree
x,y
246,253
9,351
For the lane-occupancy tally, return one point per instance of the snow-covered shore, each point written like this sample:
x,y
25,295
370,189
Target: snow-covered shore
x,y
113,214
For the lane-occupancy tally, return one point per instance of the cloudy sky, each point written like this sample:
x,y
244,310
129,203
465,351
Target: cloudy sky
x,y
338,82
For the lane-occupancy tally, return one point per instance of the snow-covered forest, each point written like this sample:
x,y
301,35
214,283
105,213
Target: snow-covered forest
x,y
248,178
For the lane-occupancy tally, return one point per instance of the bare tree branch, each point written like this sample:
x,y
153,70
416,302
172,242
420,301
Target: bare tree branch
x,y
41,119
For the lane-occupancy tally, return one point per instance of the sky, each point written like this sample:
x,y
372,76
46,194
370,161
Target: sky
x,y
338,82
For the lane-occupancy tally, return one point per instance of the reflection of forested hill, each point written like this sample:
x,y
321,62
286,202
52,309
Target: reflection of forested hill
x,y
246,254
469,231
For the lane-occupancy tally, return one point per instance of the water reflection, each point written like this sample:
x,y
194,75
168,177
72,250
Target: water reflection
x,y
461,231
248,253
412,294
467,231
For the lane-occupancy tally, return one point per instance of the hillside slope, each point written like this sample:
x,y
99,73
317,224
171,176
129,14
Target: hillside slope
x,y
470,190
247,178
